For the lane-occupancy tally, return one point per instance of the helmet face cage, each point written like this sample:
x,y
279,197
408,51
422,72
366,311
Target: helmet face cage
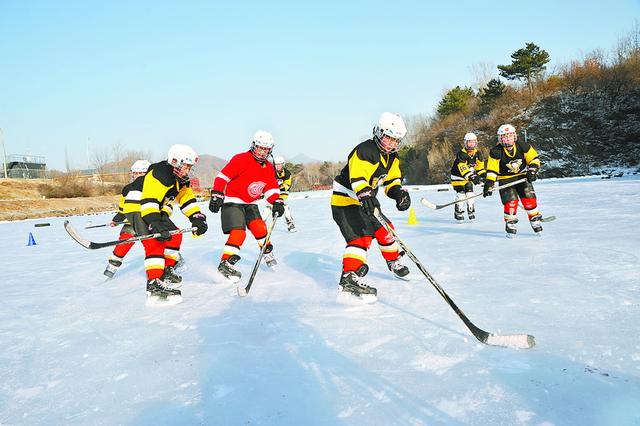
x,y
278,163
504,135
389,131
262,145
470,141
182,158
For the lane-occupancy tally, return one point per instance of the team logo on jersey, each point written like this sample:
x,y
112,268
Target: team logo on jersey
x,y
255,189
376,181
514,165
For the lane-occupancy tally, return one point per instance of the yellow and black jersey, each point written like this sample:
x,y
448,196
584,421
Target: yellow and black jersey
x,y
284,181
465,165
160,188
503,164
366,169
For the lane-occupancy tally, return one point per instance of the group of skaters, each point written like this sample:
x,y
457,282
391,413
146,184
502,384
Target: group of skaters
x,y
147,203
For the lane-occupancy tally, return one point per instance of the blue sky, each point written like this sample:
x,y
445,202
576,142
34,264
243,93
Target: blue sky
x,y
147,74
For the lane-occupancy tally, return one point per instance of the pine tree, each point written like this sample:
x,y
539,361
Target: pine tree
x,y
527,64
455,100
490,94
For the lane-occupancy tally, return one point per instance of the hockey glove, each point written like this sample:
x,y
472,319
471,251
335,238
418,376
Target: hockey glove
x,y
532,174
217,199
278,208
488,188
476,179
200,222
163,228
368,201
403,201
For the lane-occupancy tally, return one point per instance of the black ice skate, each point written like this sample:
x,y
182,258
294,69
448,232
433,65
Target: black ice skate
x,y
398,269
112,267
159,293
290,226
227,270
471,211
536,224
458,214
510,227
270,260
351,284
171,277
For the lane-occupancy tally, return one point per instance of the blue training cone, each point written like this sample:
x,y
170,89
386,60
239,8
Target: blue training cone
x,y
32,241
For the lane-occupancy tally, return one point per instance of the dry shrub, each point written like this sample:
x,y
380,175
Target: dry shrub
x,y
69,185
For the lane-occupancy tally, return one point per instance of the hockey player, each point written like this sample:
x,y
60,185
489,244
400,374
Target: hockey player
x,y
508,161
283,176
132,191
236,190
371,164
467,170
164,182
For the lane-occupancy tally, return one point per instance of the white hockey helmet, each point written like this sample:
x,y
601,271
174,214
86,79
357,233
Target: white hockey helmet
x,y
140,166
182,154
470,140
278,159
391,125
504,133
261,145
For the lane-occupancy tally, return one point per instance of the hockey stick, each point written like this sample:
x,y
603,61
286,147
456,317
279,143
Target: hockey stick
x,y
89,226
521,341
243,291
429,204
91,245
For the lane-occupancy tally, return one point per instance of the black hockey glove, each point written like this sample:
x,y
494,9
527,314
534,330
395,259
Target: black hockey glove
x,y
217,199
368,201
163,228
488,188
476,179
199,220
278,208
532,174
403,201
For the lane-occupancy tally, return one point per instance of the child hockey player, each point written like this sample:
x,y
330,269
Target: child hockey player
x,y
164,182
467,170
236,190
132,191
508,161
371,164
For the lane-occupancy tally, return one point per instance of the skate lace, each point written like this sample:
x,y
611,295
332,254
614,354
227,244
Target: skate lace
x,y
359,281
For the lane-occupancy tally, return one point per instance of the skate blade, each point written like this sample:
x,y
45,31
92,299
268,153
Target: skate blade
x,y
510,236
346,298
293,230
230,279
405,278
162,301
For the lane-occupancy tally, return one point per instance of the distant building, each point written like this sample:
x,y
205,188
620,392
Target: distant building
x,y
25,166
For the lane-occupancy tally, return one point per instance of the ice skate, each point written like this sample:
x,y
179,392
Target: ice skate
x,y
510,228
158,293
227,270
536,224
111,269
352,287
171,278
290,226
398,269
270,260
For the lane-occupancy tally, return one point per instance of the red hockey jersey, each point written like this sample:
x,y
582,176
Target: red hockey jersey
x,y
243,180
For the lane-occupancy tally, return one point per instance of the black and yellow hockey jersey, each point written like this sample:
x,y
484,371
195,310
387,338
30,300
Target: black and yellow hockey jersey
x,y
284,181
465,165
160,188
503,164
366,169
